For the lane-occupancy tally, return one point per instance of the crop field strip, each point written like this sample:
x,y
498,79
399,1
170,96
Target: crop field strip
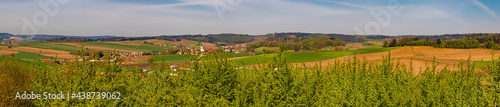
x,y
50,46
30,56
425,56
309,56
140,48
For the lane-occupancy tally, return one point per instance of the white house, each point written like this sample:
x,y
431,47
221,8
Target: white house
x,y
202,50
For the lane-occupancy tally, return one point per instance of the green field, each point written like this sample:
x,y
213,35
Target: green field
x,y
51,46
29,56
142,48
7,45
482,63
261,49
232,55
171,58
193,44
309,56
254,42
182,58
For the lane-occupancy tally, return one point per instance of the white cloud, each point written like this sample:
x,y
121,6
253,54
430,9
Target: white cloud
x,y
484,8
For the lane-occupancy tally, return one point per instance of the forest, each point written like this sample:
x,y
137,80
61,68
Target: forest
x,y
488,41
299,43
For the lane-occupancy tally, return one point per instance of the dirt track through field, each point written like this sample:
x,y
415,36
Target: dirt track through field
x,y
99,48
423,56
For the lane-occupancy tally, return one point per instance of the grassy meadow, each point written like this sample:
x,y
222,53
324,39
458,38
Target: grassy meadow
x,y
184,57
171,58
29,56
483,63
51,46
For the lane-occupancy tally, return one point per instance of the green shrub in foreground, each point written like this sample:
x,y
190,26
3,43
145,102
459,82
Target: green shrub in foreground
x,y
217,81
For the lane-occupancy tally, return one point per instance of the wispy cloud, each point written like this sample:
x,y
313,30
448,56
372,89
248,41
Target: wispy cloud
x,y
348,4
484,8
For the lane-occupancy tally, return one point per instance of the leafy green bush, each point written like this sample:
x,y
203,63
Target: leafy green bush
x,y
13,78
217,81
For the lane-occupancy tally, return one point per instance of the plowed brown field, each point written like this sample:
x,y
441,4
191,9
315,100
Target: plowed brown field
x,y
423,56
183,42
7,52
208,45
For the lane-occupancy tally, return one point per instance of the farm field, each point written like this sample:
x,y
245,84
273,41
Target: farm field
x,y
45,52
171,58
29,56
140,48
6,52
50,46
4,45
133,43
261,49
208,45
184,42
309,56
183,58
483,63
99,48
420,55
423,56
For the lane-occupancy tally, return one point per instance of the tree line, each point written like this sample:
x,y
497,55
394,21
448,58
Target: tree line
x,y
299,43
488,42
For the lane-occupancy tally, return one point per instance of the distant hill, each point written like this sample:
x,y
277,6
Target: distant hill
x,y
5,36
237,38
347,38
41,37
45,37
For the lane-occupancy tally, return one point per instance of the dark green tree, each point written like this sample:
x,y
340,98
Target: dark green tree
x,y
438,41
386,44
490,45
393,43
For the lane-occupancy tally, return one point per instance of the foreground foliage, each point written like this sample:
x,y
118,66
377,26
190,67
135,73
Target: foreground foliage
x,y
217,81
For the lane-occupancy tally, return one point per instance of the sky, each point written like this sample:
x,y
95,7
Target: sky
x,y
255,17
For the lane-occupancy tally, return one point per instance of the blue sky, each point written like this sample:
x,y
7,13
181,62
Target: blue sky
x,y
172,17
